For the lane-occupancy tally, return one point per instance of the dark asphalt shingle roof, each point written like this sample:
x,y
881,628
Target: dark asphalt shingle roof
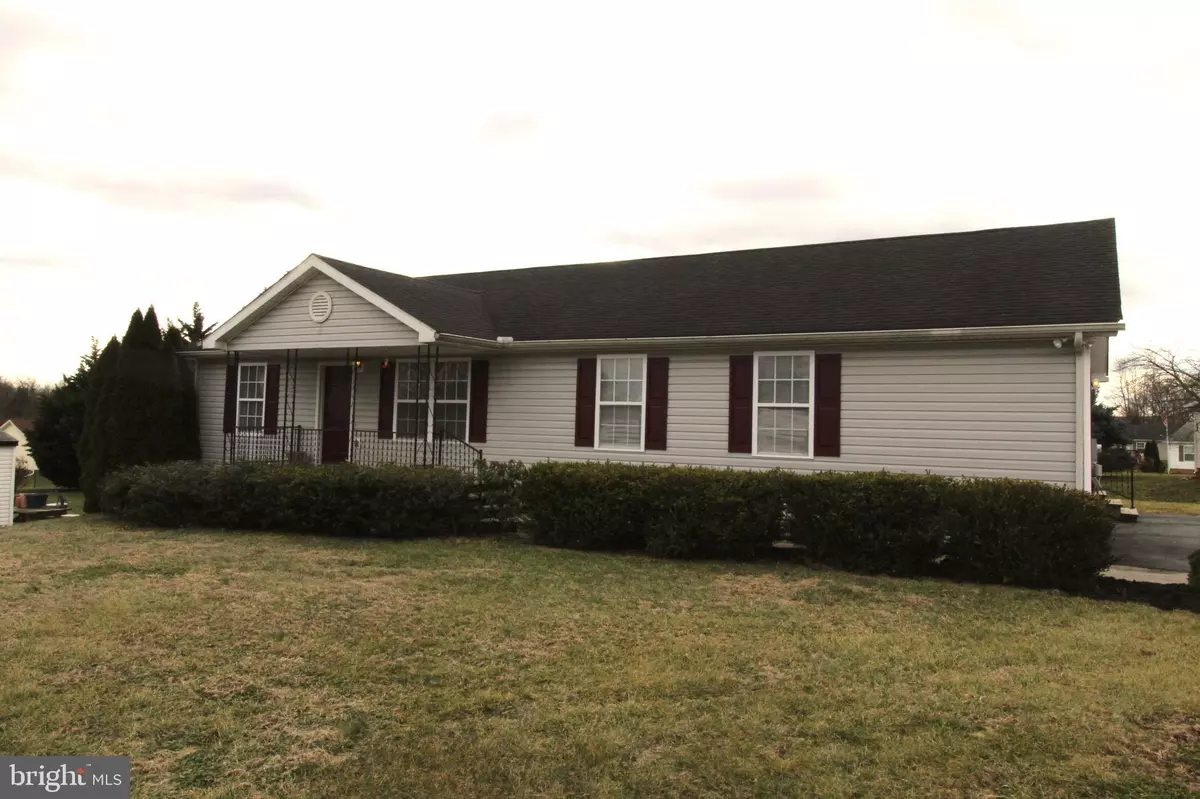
x,y
1048,274
444,308
1143,431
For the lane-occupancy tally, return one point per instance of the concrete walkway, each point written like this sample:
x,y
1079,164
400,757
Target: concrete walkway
x,y
1158,542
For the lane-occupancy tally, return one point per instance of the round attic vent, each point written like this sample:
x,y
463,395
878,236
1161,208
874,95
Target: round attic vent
x,y
320,307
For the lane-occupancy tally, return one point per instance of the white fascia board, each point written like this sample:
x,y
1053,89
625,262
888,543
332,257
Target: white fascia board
x,y
927,336
282,287
425,333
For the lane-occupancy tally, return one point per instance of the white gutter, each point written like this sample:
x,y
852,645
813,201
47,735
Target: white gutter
x,y
933,336
937,335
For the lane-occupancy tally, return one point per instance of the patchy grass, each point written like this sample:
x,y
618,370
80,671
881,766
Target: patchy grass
x,y
232,665
1166,493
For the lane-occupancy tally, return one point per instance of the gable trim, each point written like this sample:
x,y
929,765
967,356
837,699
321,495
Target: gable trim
x,y
283,287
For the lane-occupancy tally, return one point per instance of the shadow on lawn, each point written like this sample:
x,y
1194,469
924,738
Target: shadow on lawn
x,y
1172,596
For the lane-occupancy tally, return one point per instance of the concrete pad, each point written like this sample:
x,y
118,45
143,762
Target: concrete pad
x,y
1146,575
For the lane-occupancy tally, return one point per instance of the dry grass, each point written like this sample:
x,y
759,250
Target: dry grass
x,y
235,665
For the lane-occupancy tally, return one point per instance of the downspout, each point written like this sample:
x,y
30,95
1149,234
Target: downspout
x,y
1083,413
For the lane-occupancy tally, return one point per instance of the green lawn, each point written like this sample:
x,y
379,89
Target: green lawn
x,y
236,665
1166,493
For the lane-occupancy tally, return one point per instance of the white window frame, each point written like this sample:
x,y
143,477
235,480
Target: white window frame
x,y
237,413
596,423
1186,450
810,405
431,401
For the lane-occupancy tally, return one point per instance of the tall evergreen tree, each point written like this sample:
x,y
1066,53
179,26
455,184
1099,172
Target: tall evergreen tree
x,y
54,441
176,342
94,457
149,408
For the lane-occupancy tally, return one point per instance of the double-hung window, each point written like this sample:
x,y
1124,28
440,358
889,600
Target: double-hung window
x,y
783,418
1187,452
449,395
621,404
452,393
408,401
252,396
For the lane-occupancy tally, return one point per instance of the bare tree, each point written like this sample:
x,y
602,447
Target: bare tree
x,y
1159,384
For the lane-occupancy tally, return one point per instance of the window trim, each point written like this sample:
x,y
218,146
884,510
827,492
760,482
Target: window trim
x,y
429,399
237,414
596,420
810,405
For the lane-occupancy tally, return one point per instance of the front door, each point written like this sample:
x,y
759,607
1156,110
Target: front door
x,y
335,414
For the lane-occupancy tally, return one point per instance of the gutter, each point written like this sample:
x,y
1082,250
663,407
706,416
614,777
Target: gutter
x,y
1072,333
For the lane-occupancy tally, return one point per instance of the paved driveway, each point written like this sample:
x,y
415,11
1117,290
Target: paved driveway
x,y
1157,542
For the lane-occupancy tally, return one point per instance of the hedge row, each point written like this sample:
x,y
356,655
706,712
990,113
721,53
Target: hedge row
x,y
1005,531
386,502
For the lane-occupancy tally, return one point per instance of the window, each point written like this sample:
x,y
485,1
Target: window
x,y
408,408
1187,452
252,396
783,404
452,392
620,406
1140,446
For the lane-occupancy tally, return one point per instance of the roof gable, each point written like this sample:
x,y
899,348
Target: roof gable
x,y
281,289
352,321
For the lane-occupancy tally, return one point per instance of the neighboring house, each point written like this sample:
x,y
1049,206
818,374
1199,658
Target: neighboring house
x,y
1140,434
18,429
959,354
1181,456
8,478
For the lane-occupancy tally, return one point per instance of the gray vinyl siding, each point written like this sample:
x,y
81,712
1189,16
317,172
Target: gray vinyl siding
x,y
210,393
353,323
8,476
983,412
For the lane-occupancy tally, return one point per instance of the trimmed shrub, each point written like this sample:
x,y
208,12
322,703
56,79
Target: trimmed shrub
x,y
385,502
587,505
868,521
1004,531
1194,571
1033,534
706,513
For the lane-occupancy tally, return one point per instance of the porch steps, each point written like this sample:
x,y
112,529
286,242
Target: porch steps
x,y
1122,513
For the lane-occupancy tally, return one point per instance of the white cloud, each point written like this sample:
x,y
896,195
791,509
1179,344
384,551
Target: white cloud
x,y
153,155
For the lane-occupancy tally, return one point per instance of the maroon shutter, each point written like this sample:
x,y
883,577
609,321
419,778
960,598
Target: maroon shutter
x,y
271,409
387,398
827,427
657,370
741,402
477,423
231,393
585,402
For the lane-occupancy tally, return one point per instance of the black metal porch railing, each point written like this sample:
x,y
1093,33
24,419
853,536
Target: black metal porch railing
x,y
315,446
1120,483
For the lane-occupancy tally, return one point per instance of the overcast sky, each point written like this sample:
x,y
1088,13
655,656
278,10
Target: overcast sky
x,y
150,154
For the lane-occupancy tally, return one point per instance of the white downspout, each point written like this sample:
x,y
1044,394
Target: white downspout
x,y
1083,414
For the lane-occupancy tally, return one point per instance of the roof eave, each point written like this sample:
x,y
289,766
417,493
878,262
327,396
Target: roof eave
x,y
916,336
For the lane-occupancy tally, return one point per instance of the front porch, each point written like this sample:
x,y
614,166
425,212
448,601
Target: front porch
x,y
411,406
